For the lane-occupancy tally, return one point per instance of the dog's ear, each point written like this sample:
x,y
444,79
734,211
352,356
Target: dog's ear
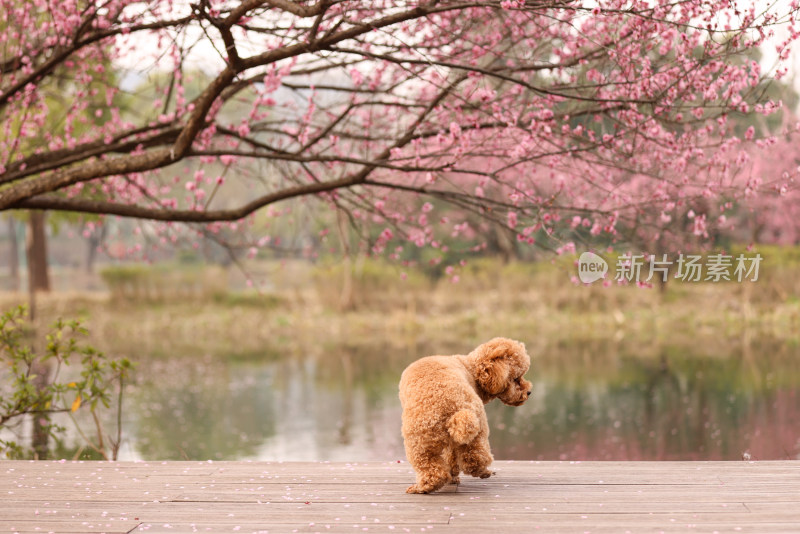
x,y
492,369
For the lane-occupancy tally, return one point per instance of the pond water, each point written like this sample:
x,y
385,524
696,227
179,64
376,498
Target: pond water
x,y
590,403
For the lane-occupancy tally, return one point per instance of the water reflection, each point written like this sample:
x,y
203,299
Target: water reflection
x,y
206,409
341,404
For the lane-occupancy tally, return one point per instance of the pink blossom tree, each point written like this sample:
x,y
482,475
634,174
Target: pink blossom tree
x,y
555,118
770,211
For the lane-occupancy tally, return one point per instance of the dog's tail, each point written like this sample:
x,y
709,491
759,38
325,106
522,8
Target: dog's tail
x,y
463,426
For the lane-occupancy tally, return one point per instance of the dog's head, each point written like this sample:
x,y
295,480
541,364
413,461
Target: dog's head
x,y
499,368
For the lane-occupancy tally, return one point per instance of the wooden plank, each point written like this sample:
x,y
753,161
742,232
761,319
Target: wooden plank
x,y
588,520
433,512
554,494
69,493
65,527
584,522
315,469
282,512
622,528
334,497
274,518
323,527
776,506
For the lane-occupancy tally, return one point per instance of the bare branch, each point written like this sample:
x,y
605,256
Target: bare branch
x,y
50,202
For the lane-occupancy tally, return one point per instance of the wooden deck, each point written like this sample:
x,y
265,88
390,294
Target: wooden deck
x,y
543,497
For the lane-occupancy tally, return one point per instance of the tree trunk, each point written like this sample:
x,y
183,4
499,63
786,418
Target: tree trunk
x,y
94,241
40,441
346,301
502,241
13,254
36,251
38,280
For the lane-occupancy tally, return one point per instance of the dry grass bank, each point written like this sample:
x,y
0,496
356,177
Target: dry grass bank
x,y
372,303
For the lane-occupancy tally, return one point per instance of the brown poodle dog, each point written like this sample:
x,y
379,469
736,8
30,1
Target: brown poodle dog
x,y
444,421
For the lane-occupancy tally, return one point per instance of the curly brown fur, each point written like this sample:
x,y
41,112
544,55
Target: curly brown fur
x,y
444,421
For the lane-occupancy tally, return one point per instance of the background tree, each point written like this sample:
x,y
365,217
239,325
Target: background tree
x,y
12,253
72,105
543,116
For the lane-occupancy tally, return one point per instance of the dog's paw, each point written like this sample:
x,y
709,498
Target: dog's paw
x,y
455,480
415,489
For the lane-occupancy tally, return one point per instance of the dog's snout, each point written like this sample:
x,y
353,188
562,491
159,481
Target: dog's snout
x,y
529,393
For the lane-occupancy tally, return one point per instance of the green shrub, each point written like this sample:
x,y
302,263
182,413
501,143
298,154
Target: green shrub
x,y
34,385
369,284
167,282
